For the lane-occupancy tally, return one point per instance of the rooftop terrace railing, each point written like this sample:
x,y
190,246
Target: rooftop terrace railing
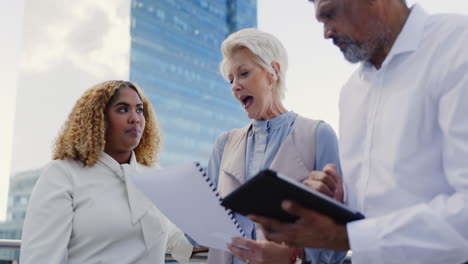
x,y
199,255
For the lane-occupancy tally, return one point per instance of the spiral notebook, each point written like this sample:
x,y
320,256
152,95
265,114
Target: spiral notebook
x,y
189,199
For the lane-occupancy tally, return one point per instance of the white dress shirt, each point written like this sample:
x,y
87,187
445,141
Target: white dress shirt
x,y
93,214
404,146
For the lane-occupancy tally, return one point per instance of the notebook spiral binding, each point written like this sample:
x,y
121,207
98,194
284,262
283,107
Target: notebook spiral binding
x,y
213,188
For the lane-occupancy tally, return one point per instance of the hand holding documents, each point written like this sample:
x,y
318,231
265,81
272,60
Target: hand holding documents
x,y
262,195
187,197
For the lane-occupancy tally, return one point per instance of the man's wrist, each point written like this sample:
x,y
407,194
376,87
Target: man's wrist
x,y
341,240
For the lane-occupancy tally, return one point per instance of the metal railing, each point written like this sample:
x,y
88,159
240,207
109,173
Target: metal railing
x,y
199,255
10,244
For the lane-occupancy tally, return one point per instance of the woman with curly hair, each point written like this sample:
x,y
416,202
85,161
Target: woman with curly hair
x,y
83,209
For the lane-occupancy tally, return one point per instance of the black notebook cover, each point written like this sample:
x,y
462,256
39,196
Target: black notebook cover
x,y
262,195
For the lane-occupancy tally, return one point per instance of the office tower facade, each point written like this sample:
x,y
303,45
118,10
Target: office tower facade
x,y
175,56
21,185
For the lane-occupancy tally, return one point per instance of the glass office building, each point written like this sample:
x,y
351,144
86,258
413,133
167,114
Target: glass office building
x,y
175,56
21,185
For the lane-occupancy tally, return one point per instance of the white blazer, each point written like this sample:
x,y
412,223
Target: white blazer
x,y
82,214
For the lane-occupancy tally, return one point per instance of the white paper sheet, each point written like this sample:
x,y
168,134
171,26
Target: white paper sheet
x,y
185,197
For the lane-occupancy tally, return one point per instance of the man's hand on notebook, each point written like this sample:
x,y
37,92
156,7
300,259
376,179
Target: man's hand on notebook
x,y
328,181
312,230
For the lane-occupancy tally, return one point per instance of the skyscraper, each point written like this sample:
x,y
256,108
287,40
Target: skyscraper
x,y
21,185
175,53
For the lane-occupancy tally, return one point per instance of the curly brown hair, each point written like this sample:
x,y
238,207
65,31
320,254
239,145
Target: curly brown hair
x,y
83,136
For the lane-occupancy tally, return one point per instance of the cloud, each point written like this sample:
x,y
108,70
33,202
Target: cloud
x,y
67,46
92,35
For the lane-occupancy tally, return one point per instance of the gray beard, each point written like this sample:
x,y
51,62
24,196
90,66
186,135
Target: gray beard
x,y
356,52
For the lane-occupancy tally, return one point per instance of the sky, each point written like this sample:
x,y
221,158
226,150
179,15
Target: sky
x,y
65,47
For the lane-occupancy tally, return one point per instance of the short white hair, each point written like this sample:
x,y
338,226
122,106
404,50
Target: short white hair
x,y
266,49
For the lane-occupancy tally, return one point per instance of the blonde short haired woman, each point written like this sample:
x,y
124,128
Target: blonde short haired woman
x,y
255,63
